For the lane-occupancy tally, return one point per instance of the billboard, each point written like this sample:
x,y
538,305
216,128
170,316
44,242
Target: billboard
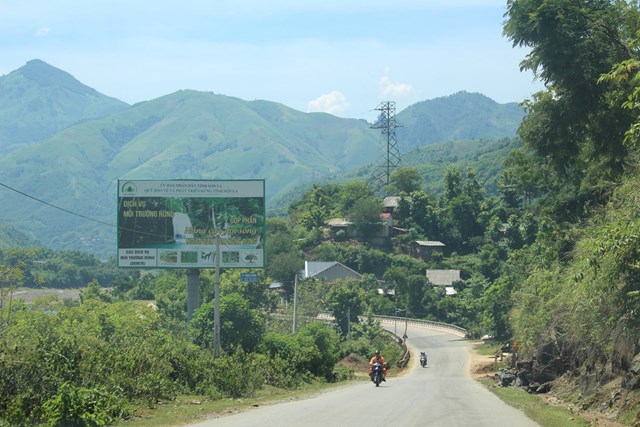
x,y
175,223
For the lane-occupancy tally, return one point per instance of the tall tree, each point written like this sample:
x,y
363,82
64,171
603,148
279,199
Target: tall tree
x,y
405,180
365,216
349,193
571,127
346,301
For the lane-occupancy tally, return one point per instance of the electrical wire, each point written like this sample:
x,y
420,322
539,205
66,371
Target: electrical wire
x,y
74,213
56,207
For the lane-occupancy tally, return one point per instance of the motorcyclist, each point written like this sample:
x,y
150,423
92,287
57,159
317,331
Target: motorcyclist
x,y
423,357
378,358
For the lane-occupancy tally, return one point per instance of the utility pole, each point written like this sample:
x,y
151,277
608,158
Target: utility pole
x,y
390,160
406,320
217,347
295,303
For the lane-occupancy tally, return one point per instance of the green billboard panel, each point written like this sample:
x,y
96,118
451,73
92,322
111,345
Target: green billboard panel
x,y
176,223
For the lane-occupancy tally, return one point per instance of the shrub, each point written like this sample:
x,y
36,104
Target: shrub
x,y
240,374
79,407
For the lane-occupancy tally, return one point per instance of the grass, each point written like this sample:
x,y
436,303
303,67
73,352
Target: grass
x,y
534,407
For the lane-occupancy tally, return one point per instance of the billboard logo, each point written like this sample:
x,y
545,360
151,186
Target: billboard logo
x,y
129,187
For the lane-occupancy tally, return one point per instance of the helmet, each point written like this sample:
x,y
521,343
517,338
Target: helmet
x,y
378,352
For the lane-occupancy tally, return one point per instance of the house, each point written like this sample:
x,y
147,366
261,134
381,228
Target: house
x,y
389,204
424,249
339,223
387,225
276,287
444,278
329,271
379,237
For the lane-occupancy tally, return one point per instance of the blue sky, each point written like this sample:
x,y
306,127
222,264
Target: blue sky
x,y
342,57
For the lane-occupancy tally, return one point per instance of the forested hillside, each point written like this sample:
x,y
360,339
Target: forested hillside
x,y
461,116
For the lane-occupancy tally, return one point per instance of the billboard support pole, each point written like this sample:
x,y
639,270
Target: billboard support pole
x,y
216,308
193,291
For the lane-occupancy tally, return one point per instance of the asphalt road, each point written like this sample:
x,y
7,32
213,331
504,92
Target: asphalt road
x,y
439,395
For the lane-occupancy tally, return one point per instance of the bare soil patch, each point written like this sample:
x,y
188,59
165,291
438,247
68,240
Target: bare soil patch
x,y
28,294
482,365
360,366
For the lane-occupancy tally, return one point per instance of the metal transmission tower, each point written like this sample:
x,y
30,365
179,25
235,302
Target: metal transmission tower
x,y
390,158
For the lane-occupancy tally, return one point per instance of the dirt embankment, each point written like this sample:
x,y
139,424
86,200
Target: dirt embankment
x,y
608,403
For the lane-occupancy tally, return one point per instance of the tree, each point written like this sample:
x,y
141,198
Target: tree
x,y
346,302
240,326
93,291
365,216
625,75
523,179
405,180
452,183
464,204
284,258
571,127
327,348
422,214
283,268
314,208
349,194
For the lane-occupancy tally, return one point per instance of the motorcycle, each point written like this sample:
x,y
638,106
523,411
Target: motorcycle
x,y
377,373
423,359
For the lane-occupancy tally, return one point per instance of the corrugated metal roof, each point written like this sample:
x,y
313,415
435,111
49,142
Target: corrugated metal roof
x,y
316,268
431,243
390,202
443,277
338,222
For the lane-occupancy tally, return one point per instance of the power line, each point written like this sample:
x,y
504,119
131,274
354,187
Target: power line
x,y
56,207
74,213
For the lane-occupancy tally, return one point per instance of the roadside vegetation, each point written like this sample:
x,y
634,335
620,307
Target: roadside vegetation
x,y
549,262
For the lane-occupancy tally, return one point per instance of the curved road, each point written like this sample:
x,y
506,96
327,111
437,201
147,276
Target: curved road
x,y
440,395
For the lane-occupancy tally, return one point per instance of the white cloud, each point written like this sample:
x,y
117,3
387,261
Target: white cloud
x,y
333,102
391,90
43,31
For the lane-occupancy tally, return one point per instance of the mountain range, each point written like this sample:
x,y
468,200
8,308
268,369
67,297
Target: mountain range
x,y
63,146
38,100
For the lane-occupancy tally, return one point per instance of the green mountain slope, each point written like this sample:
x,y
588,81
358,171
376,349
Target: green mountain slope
x,y
37,100
188,134
191,135
461,116
11,238
484,156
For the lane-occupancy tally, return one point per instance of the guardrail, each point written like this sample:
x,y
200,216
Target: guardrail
x,y
427,324
419,323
